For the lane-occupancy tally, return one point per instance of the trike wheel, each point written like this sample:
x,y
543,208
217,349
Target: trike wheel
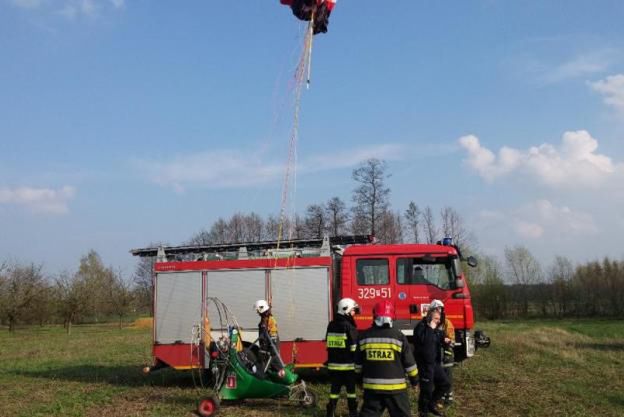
x,y
308,399
208,407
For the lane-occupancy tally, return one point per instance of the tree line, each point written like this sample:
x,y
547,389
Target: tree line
x,y
94,293
520,287
370,214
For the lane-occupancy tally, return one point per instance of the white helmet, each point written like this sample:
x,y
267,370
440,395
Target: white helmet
x,y
346,305
435,304
261,306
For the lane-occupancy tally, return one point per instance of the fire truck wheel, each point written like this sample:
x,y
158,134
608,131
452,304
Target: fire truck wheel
x,y
208,407
308,399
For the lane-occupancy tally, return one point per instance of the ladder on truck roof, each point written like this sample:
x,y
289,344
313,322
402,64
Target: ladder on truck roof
x,y
250,250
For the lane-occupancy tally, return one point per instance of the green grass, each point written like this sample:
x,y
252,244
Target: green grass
x,y
554,368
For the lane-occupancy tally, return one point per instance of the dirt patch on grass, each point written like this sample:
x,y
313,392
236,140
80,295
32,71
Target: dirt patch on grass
x,y
143,323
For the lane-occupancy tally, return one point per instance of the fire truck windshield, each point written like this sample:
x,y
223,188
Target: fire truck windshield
x,y
439,272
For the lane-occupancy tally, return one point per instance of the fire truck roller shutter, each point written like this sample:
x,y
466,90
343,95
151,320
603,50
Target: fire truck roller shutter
x,y
301,302
238,289
178,305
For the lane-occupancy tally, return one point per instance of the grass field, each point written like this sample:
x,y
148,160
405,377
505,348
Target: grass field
x,y
557,368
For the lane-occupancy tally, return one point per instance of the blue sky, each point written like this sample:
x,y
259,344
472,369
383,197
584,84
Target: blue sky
x,y
126,122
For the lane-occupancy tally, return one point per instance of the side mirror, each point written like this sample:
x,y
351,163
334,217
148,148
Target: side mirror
x,y
459,283
472,261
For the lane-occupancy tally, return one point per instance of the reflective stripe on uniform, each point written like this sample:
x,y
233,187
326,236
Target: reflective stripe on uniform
x,y
354,395
388,340
341,366
353,348
393,346
334,396
336,340
272,326
383,387
412,370
388,384
383,380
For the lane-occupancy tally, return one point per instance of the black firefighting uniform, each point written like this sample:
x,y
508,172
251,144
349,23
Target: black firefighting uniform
x,y
341,337
267,333
433,379
384,356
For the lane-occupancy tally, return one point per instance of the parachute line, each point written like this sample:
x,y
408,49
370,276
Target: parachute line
x,y
302,75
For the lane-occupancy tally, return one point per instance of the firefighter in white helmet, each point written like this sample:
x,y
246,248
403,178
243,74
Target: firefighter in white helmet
x,y
427,348
341,337
268,337
447,336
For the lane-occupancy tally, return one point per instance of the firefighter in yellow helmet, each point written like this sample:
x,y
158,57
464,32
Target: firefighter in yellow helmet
x,y
341,337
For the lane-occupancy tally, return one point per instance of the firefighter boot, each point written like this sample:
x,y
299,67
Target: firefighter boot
x,y
352,403
331,408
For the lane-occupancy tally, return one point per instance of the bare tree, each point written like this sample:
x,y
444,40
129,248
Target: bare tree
x,y
120,297
488,289
337,216
429,226
561,274
203,237
218,232
271,228
453,226
412,218
315,221
253,228
297,228
390,228
371,195
524,271
143,279
236,225
20,286
97,278
73,298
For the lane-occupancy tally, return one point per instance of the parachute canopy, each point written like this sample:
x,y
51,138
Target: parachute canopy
x,y
316,10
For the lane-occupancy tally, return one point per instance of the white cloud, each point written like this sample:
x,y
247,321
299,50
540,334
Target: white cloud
x,y
44,200
574,162
612,91
485,162
247,168
580,66
534,220
546,70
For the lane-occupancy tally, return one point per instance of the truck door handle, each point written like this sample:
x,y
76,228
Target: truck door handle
x,y
413,308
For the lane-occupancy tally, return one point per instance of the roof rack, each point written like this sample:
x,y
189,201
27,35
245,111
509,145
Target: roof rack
x,y
247,250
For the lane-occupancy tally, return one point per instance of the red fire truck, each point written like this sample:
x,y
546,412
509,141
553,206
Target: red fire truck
x,y
303,280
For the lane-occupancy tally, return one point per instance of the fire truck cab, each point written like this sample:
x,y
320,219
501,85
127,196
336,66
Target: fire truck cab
x,y
410,275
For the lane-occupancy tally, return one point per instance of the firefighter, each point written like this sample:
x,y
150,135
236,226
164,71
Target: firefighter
x,y
447,334
433,381
342,337
383,357
268,337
